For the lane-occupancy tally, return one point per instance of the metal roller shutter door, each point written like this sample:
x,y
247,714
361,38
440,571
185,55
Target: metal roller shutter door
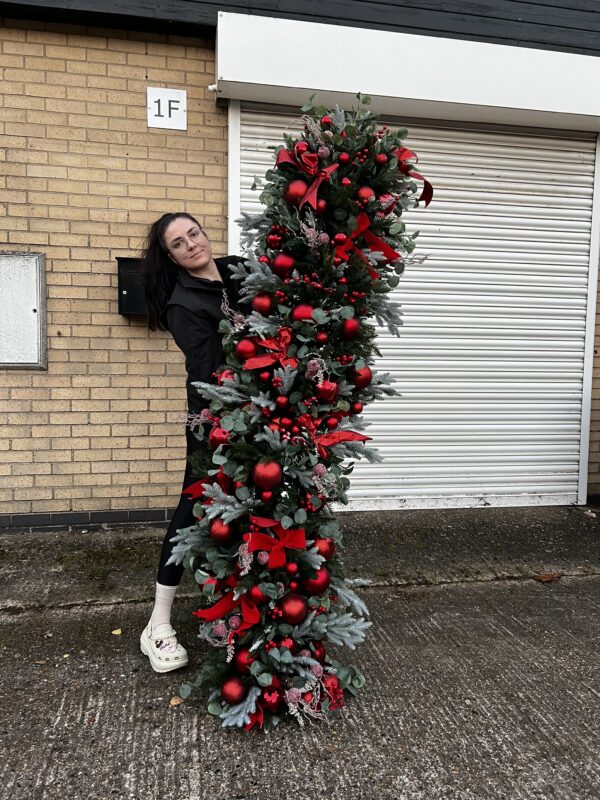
x,y
490,358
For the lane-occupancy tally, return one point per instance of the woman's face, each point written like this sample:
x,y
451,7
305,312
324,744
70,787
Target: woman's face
x,y
187,245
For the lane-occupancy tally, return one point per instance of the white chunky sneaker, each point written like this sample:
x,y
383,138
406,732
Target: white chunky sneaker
x,y
162,648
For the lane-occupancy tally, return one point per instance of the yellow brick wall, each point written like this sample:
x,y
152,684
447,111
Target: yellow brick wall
x,y
81,178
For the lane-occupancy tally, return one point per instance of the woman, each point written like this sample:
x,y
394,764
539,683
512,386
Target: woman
x,y
188,292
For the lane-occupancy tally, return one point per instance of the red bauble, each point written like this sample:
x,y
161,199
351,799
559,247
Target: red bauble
x,y
364,194
245,349
265,375
271,700
267,474
273,240
264,259
327,391
343,158
350,328
266,496
233,691
220,531
381,158
243,659
361,377
262,303
282,402
294,586
294,608
283,265
217,436
295,191
332,423
321,206
340,238
325,547
302,312
322,337
291,568
256,596
357,407
326,120
319,651
319,583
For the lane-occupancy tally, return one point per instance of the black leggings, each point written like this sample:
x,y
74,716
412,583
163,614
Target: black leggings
x,y
170,575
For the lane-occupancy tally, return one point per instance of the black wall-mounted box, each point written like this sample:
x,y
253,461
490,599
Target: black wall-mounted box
x,y
131,290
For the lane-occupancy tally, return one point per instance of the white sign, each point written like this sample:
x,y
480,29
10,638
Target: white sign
x,y
167,108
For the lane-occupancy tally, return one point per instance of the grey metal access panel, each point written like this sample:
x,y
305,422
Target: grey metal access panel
x,y
22,311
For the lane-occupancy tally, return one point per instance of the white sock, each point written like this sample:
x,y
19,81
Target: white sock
x,y
163,601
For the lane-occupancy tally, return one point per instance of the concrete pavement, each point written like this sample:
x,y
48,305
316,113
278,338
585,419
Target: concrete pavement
x,y
482,681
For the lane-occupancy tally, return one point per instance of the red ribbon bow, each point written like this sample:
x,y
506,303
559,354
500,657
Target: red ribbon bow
x,y
279,354
404,155
375,243
328,439
293,538
250,612
285,157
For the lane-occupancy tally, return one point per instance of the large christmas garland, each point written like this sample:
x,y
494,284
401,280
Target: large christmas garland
x,y
284,419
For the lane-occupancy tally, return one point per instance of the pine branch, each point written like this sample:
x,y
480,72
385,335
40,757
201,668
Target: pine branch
x,y
349,598
346,630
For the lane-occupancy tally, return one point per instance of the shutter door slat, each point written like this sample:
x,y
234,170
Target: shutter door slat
x,y
490,358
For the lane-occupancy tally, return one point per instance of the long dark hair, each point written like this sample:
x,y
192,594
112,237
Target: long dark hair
x,y
159,272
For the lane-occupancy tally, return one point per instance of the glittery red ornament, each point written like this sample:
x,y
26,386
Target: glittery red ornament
x,y
294,608
283,265
243,659
281,401
360,377
319,651
357,407
264,260
381,158
220,531
226,375
319,583
326,121
327,391
350,328
322,337
325,547
321,206
295,191
302,312
262,303
271,700
217,436
273,240
291,568
266,495
364,194
343,158
265,375
267,474
332,423
256,596
233,690
245,349
294,586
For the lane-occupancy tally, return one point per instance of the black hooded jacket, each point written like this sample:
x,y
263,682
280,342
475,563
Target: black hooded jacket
x,y
192,315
